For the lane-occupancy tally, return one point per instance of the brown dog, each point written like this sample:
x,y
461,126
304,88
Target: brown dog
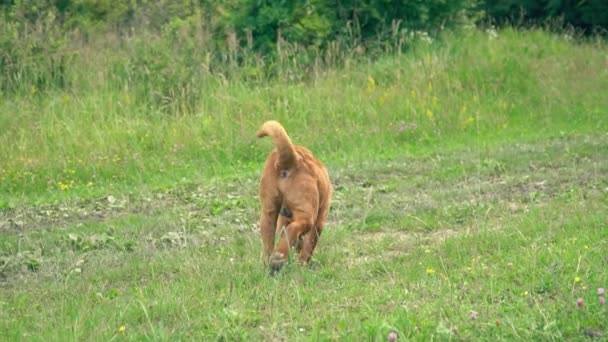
x,y
295,193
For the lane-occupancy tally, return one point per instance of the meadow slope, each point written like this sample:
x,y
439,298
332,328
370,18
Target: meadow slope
x,y
469,175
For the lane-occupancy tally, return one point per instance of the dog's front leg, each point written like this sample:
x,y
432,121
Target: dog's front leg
x,y
290,236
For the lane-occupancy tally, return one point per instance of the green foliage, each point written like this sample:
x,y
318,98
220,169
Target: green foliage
x,y
317,23
588,15
306,22
378,17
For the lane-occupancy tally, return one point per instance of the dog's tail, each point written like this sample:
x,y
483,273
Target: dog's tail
x,y
287,153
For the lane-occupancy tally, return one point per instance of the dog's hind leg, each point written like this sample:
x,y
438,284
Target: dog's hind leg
x,y
282,221
268,221
296,229
309,242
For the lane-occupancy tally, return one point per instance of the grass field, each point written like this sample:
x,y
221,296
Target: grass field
x,y
469,175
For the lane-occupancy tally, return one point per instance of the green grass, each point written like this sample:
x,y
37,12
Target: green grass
x,y
469,175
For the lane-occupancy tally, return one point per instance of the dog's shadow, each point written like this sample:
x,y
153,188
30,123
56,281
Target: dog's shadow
x,y
291,267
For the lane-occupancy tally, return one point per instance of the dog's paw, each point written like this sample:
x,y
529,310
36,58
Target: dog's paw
x,y
276,262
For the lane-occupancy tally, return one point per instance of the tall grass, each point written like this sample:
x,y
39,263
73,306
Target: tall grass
x,y
150,110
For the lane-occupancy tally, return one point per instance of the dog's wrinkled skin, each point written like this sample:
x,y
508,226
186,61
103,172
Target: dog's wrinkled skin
x,y
295,193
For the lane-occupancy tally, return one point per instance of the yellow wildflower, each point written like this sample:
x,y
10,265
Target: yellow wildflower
x,y
469,121
371,84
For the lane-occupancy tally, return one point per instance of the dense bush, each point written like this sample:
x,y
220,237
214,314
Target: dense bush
x,y
589,16
317,22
